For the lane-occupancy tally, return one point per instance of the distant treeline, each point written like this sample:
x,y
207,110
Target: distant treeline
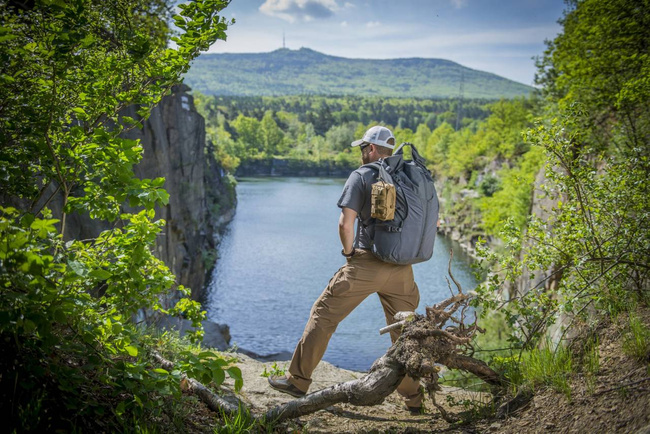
x,y
324,112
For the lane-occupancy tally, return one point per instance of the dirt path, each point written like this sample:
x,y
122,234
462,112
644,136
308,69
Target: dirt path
x,y
616,400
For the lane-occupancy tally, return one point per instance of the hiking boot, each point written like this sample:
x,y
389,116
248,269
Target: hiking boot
x,y
282,384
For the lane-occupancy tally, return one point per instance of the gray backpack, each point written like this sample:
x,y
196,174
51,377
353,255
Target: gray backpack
x,y
409,237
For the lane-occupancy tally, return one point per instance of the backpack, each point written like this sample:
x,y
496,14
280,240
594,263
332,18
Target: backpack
x,y
409,237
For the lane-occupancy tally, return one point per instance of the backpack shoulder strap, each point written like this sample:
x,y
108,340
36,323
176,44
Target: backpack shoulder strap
x,y
383,168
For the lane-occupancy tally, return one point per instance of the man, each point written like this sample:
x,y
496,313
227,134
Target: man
x,y
362,275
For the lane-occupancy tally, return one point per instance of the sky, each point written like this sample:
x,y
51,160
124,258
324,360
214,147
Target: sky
x,y
498,36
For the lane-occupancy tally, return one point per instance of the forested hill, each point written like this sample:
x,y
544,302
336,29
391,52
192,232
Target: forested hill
x,y
305,71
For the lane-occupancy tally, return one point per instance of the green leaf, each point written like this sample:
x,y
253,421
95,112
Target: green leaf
x,y
121,407
60,316
27,220
206,354
138,253
117,328
29,326
218,376
133,351
79,268
100,274
235,373
163,196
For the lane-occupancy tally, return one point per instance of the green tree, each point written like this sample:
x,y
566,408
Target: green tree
x,y
422,134
601,60
464,149
595,241
339,137
272,135
513,199
403,135
74,359
504,127
227,151
438,143
249,133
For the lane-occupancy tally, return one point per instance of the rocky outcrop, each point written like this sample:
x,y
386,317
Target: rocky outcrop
x,y
215,336
202,195
540,208
458,217
173,139
547,281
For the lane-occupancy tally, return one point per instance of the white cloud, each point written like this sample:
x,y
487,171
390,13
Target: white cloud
x,y
459,3
299,10
344,24
371,24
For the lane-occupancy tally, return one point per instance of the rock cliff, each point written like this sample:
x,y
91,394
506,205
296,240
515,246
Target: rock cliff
x,y
201,196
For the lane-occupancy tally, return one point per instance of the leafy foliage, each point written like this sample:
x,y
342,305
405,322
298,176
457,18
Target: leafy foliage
x,y
316,129
592,245
67,305
275,370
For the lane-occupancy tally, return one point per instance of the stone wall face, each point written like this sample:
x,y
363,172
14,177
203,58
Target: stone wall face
x,y
201,200
540,208
173,140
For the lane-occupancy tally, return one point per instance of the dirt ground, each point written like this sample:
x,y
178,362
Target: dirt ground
x,y
617,400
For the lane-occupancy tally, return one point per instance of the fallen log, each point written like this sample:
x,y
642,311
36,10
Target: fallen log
x,y
382,380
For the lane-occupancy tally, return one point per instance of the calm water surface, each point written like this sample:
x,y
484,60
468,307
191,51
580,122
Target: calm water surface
x,y
277,256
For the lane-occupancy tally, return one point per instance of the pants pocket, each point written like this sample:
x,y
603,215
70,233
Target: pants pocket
x,y
339,284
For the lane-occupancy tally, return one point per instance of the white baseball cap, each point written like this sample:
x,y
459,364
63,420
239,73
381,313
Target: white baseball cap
x,y
377,135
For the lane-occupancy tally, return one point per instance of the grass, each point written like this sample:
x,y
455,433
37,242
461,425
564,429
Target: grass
x,y
636,341
545,367
240,423
274,371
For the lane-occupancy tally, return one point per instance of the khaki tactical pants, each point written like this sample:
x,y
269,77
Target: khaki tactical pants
x,y
362,275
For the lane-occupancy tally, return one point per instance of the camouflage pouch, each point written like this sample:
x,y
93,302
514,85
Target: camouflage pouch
x,y
382,202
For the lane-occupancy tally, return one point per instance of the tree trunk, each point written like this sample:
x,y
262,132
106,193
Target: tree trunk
x,y
382,380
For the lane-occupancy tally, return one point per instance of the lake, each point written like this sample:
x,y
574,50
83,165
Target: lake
x,y
277,256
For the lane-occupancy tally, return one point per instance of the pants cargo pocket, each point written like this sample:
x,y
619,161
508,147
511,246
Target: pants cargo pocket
x,y
339,283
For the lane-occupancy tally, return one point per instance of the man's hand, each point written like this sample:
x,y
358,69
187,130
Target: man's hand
x,y
346,229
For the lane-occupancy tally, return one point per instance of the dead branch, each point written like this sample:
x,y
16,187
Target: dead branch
x,y
211,399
